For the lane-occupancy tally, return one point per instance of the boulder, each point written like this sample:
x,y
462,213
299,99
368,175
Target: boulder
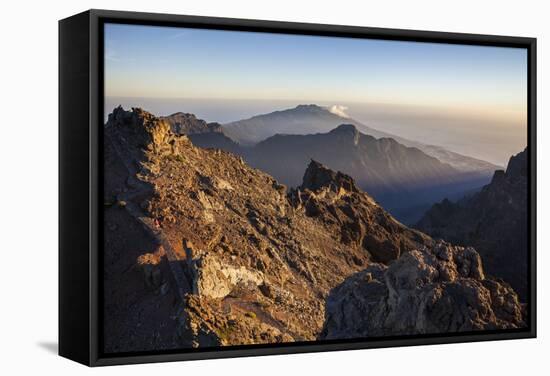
x,y
441,289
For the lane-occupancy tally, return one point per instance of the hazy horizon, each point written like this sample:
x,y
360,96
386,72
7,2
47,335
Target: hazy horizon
x,y
495,142
469,99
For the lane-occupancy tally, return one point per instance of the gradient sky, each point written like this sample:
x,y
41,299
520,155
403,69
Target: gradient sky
x,y
146,61
470,99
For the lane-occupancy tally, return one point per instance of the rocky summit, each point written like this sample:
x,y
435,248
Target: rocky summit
x,y
493,220
203,250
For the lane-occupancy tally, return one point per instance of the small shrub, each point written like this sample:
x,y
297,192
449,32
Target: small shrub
x,y
224,333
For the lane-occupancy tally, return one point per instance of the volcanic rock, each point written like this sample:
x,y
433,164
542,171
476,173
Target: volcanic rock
x,y
494,221
247,262
426,291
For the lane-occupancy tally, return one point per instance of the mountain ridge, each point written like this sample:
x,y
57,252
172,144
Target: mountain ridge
x,y
398,176
403,178
257,262
311,119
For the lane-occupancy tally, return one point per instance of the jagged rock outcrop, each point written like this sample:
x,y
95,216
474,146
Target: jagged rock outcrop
x,y
494,221
334,199
437,290
144,132
241,259
318,177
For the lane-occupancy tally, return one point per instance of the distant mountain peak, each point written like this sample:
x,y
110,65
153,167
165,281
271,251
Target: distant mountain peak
x,y
309,105
186,123
180,113
337,110
307,119
310,108
345,127
347,130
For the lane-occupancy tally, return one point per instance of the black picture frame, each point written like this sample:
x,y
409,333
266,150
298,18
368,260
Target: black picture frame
x,y
80,183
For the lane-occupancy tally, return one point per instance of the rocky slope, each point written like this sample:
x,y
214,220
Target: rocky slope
x,y
203,250
494,221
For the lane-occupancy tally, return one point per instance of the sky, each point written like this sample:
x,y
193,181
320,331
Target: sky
x,y
169,65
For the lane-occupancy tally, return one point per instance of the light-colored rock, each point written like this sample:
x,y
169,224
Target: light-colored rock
x,y
215,279
438,290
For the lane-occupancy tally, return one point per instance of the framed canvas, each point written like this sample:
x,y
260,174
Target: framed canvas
x,y
236,187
